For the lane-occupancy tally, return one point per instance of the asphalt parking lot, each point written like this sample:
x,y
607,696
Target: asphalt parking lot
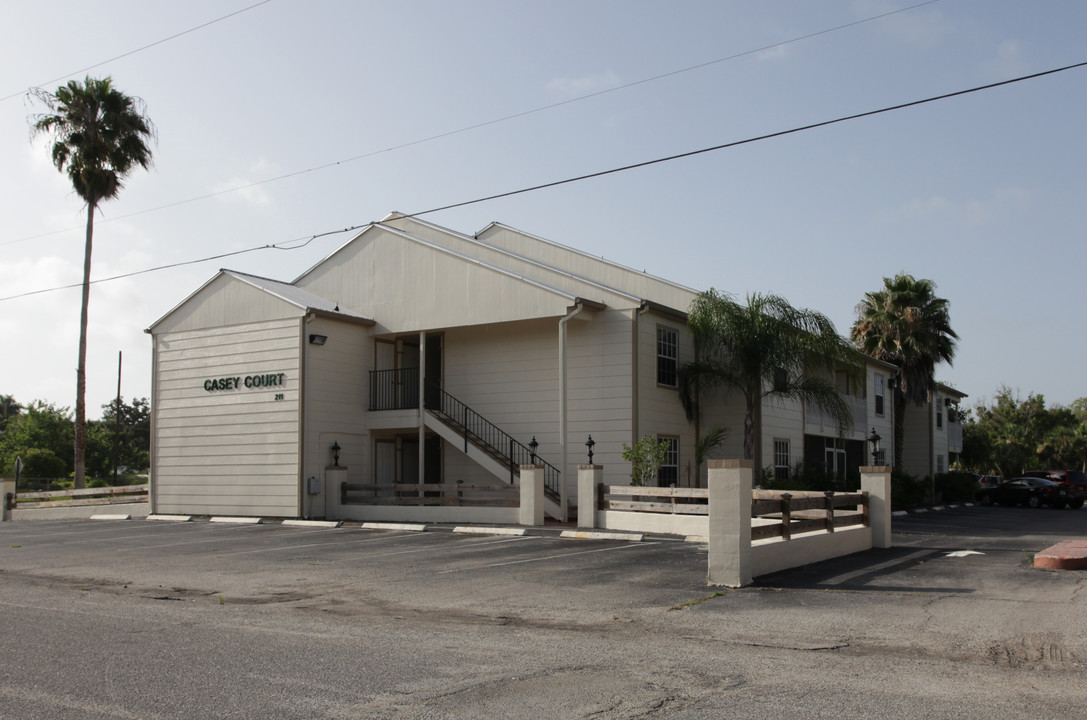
x,y
144,619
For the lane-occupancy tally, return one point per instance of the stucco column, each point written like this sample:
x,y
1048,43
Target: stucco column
x,y
589,478
876,481
7,494
730,522
335,477
532,495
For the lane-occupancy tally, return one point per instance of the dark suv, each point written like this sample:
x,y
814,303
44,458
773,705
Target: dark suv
x,y
1073,481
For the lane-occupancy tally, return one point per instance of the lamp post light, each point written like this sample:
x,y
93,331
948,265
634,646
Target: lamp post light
x,y
873,441
532,448
590,444
336,453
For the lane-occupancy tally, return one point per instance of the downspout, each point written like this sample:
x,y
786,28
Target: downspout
x,y
422,406
636,374
563,498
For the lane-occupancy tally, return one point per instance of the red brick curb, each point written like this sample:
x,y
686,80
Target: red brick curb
x,y
1067,555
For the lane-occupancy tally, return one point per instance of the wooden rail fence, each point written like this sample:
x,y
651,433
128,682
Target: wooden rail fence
x,y
802,511
83,496
455,493
677,501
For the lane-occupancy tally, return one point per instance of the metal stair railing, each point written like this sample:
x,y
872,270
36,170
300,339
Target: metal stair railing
x,y
487,436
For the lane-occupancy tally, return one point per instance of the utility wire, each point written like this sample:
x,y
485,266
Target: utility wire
x,y
612,171
487,123
139,49
767,136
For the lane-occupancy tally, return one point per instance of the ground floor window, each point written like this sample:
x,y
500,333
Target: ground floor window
x,y
669,470
781,459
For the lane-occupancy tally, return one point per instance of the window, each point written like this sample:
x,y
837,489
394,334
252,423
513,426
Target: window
x,y
939,415
940,465
667,357
781,459
668,474
781,380
879,395
881,457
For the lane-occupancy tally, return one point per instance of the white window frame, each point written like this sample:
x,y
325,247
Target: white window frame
x,y
881,396
670,463
782,464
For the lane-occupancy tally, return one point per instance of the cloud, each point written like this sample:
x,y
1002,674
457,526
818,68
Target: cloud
x,y
242,190
1008,61
584,85
970,212
921,28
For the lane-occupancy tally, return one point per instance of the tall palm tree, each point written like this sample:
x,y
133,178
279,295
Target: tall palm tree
x,y
761,348
904,323
99,136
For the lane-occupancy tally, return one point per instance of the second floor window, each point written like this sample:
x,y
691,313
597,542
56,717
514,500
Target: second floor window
x,y
667,357
879,394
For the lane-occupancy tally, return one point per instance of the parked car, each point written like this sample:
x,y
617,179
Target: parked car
x,y
1074,483
989,480
1030,491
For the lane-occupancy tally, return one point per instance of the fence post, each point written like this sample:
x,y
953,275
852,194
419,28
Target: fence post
x,y
589,478
786,516
7,498
829,495
876,481
532,495
730,522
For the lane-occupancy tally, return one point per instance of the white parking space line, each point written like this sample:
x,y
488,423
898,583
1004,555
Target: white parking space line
x,y
329,544
626,546
405,536
217,538
838,580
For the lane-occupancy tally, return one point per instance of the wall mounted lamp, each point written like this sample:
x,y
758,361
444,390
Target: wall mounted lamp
x,y
317,339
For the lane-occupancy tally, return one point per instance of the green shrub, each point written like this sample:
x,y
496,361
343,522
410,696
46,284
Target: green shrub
x,y
907,490
956,486
810,477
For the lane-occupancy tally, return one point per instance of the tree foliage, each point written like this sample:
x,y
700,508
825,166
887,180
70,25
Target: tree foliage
x,y
761,348
1014,434
42,437
645,458
906,324
100,135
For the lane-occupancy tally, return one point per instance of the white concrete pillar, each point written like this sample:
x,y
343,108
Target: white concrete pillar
x,y
532,495
7,487
730,522
589,478
876,481
335,476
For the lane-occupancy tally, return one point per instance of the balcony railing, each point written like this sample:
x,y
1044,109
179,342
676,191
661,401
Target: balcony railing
x,y
394,389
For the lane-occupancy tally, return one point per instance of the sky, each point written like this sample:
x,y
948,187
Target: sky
x,y
281,120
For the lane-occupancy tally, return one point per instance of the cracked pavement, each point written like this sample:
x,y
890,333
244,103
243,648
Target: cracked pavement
x,y
143,620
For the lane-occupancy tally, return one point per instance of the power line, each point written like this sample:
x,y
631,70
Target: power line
x,y
486,123
140,49
601,173
767,136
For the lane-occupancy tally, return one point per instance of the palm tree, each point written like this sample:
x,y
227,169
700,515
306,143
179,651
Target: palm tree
x,y
9,408
904,323
99,136
762,348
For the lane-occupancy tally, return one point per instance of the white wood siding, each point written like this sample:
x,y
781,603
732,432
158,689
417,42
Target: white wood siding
x,y
225,301
409,286
227,451
336,395
580,263
510,374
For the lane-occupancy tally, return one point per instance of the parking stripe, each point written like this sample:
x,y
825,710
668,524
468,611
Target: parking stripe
x,y
625,546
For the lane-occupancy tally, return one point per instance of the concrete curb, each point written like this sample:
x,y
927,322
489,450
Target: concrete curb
x,y
596,535
488,530
312,523
412,527
170,518
238,520
1067,555
110,517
